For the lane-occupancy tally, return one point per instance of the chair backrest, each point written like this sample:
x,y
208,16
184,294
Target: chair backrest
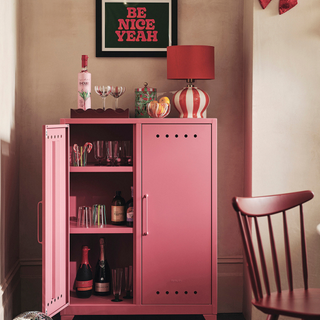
x,y
256,207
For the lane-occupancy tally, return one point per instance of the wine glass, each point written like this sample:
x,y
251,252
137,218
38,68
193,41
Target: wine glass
x,y
103,92
109,153
117,92
116,153
99,151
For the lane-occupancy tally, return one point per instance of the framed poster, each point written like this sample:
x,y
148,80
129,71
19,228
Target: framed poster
x,y
135,28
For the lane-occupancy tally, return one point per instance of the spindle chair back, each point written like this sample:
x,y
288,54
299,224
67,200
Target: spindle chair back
x,y
301,303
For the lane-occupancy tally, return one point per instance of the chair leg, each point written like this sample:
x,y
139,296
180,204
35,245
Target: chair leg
x,y
272,317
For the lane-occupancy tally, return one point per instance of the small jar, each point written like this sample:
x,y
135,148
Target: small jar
x,y
143,97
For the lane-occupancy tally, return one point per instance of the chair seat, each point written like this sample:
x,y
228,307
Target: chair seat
x,y
297,303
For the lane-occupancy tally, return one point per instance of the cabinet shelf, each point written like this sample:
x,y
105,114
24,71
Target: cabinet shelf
x,y
98,300
101,169
97,230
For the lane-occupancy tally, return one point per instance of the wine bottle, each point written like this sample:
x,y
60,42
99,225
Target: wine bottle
x,y
84,85
118,209
84,279
102,277
130,210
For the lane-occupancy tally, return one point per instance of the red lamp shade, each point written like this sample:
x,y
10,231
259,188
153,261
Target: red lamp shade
x,y
190,63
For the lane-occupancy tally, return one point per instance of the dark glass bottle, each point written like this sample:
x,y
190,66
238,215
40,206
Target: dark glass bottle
x,y
84,279
118,210
102,277
130,211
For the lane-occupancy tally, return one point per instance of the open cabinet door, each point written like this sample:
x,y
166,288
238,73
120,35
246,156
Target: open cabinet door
x,y
55,240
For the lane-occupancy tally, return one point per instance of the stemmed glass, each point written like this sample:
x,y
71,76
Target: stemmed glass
x,y
103,92
99,151
117,92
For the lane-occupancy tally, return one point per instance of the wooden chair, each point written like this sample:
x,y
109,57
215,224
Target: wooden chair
x,y
301,303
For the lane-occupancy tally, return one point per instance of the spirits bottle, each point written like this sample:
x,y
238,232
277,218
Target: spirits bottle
x,y
84,85
102,277
130,211
84,279
118,210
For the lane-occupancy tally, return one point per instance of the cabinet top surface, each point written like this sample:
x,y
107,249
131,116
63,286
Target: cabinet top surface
x,y
137,121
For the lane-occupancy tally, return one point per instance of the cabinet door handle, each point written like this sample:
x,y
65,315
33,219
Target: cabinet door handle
x,y
38,222
146,213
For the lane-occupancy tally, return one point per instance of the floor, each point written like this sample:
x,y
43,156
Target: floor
x,y
221,316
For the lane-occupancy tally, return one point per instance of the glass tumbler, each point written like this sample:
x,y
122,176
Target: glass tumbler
x,y
117,283
84,217
128,282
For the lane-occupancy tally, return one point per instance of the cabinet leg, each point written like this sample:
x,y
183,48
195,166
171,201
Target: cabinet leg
x,y
210,316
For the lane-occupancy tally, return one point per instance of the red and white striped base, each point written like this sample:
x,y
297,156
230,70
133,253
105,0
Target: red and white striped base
x,y
191,102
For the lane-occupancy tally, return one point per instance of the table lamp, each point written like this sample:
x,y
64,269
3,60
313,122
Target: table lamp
x,y
190,63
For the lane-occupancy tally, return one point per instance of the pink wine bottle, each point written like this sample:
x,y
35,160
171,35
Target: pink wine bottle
x,y
84,279
84,85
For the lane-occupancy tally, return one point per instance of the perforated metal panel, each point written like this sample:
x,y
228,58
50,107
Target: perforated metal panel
x,y
176,214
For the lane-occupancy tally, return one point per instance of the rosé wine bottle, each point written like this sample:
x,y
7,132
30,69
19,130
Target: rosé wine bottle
x,y
84,85
84,279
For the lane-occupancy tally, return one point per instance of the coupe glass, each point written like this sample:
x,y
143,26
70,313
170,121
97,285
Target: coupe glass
x,y
117,92
103,92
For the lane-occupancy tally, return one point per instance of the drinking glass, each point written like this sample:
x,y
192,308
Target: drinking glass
x,y
103,92
116,153
127,153
117,283
84,217
128,282
99,218
109,154
79,156
117,92
99,151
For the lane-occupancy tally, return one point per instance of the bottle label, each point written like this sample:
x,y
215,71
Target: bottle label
x,y
102,287
130,214
84,285
84,90
117,213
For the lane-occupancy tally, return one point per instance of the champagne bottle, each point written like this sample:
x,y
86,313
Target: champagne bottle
x,y
84,85
118,210
102,278
84,276
130,210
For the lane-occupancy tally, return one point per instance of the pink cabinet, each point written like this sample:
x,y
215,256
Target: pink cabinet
x,y
172,245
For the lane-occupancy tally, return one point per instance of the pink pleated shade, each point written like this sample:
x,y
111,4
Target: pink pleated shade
x,y
190,62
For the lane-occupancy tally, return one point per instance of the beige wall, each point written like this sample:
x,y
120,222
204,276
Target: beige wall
x,y
285,114
54,35
9,160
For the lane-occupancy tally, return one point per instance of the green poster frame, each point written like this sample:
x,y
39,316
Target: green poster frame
x,y
132,28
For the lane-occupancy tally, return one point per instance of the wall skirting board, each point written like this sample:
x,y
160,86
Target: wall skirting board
x,y
230,284
31,282
10,293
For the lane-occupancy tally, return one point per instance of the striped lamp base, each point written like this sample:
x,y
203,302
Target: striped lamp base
x,y
191,102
